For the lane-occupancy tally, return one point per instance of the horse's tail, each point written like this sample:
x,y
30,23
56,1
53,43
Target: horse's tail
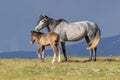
x,y
95,41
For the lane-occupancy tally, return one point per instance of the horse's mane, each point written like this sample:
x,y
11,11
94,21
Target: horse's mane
x,y
54,22
51,23
62,20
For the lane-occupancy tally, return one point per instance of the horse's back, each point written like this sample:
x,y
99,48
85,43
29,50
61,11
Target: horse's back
x,y
85,24
78,30
90,27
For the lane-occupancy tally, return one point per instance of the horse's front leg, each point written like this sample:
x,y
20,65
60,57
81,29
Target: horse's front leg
x,y
64,51
43,52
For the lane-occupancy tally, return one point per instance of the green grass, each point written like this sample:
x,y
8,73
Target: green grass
x,y
77,68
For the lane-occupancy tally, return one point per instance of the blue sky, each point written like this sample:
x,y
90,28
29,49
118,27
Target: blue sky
x,y
19,17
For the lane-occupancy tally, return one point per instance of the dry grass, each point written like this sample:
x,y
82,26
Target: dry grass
x,y
105,68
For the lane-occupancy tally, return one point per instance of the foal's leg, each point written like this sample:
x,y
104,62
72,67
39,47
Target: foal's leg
x,y
38,50
43,51
58,49
64,50
94,54
54,51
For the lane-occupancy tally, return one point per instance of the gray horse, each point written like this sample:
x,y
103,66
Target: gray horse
x,y
72,32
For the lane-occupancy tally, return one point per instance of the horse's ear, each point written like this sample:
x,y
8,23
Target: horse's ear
x,y
43,15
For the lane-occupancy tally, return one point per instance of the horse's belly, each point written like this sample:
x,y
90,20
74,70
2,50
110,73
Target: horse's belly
x,y
75,32
74,36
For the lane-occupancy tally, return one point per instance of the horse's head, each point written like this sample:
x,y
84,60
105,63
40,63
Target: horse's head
x,y
33,37
42,22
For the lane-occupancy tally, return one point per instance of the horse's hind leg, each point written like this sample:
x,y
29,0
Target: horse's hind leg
x,y
94,54
91,51
91,55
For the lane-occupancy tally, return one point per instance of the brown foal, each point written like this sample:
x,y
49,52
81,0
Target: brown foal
x,y
43,40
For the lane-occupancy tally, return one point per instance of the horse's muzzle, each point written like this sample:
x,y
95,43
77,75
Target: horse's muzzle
x,y
37,30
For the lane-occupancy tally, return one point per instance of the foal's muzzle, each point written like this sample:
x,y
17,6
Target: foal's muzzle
x,y
32,42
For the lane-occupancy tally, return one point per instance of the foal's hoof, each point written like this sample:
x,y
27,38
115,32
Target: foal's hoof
x,y
58,61
90,59
42,60
52,62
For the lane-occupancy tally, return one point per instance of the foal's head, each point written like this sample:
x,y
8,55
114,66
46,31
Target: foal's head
x,y
34,36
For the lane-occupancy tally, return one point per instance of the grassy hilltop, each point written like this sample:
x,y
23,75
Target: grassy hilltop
x,y
105,68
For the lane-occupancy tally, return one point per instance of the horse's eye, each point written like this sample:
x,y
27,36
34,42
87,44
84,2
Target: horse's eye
x,y
43,21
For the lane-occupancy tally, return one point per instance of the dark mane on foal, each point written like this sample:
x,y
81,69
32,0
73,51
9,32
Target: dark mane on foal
x,y
37,32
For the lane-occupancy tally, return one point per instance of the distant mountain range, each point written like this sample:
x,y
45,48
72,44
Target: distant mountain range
x,y
107,47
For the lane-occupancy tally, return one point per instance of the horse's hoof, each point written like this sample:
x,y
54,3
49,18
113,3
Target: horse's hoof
x,y
65,60
94,59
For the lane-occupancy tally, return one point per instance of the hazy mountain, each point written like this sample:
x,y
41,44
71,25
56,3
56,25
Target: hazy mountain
x,y
107,47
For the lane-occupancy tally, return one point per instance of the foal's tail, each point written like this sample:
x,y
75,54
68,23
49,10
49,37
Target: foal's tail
x,y
95,41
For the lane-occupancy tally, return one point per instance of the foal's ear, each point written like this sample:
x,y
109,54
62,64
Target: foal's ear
x,y
31,31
